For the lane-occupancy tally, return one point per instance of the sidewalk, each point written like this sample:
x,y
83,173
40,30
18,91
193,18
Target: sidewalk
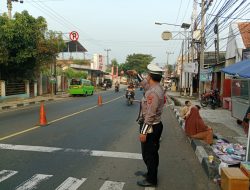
x,y
13,103
224,127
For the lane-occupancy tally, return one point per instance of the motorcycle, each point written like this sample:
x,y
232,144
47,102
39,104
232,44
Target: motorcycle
x,y
130,97
105,86
117,88
211,98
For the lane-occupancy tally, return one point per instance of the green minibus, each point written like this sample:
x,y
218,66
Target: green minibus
x,y
81,87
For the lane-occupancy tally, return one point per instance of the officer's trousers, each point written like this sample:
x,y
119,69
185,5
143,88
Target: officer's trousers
x,y
150,152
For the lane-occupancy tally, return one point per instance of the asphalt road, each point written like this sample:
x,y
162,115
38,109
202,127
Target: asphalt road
x,y
90,147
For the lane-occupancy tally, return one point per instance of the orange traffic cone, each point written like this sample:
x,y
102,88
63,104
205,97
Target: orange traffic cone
x,y
43,120
99,100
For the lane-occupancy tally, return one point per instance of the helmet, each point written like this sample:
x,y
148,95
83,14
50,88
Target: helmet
x,y
154,69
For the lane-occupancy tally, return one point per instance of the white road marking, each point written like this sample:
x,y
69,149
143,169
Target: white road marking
x,y
111,154
29,148
116,154
5,174
33,182
112,185
149,188
71,184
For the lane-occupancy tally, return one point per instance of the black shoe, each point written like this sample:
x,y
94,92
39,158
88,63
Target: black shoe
x,y
145,183
141,173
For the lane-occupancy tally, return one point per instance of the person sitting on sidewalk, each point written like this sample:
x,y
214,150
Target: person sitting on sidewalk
x,y
196,128
186,109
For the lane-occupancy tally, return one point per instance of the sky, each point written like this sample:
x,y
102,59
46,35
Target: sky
x,y
123,26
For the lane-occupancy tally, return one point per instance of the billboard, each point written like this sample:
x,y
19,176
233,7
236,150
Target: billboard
x,y
190,67
206,75
100,62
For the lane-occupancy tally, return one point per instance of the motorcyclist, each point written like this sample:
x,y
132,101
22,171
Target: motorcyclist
x,y
130,89
117,85
105,85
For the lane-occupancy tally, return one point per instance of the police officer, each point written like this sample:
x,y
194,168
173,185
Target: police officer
x,y
151,126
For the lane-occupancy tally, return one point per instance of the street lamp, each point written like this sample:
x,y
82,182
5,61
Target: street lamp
x,y
185,26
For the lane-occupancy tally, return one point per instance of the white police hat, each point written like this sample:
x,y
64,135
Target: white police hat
x,y
154,69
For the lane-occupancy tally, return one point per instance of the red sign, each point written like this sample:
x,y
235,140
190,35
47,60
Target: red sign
x,y
74,36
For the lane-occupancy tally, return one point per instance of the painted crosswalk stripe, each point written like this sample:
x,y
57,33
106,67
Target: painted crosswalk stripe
x,y
116,154
5,174
98,153
71,184
29,148
33,182
112,185
149,188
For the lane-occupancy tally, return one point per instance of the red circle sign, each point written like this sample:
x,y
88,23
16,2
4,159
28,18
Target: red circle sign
x,y
74,36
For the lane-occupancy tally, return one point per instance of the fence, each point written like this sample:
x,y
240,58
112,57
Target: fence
x,y
14,88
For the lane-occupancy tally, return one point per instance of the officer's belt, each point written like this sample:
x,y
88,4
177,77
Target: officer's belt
x,y
155,123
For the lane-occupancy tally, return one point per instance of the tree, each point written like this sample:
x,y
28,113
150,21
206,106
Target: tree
x,y
114,63
72,73
137,62
169,68
26,45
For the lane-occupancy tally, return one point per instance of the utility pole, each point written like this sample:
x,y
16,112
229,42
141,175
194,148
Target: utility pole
x,y
194,16
181,77
9,6
201,84
168,53
216,30
107,50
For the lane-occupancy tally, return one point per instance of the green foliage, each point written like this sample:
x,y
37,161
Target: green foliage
x,y
170,68
137,62
113,63
82,62
26,45
72,73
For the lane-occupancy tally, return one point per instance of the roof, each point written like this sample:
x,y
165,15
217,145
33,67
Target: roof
x,y
74,46
240,69
244,28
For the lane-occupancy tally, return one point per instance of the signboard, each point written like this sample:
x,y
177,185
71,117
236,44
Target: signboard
x,y
74,36
100,62
190,67
166,35
206,75
245,54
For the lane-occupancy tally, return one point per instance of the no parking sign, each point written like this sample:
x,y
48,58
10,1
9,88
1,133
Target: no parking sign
x,y
74,36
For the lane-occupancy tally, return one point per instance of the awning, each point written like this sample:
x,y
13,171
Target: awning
x,y
241,69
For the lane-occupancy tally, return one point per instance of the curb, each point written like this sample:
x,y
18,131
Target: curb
x,y
23,104
18,105
211,169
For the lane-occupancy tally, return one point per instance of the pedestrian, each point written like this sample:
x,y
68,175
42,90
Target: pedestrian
x,y
151,125
196,128
186,109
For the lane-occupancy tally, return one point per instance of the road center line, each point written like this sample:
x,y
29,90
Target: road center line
x,y
53,121
95,153
19,133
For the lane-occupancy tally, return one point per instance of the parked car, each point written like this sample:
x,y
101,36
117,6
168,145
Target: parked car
x,y
108,83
